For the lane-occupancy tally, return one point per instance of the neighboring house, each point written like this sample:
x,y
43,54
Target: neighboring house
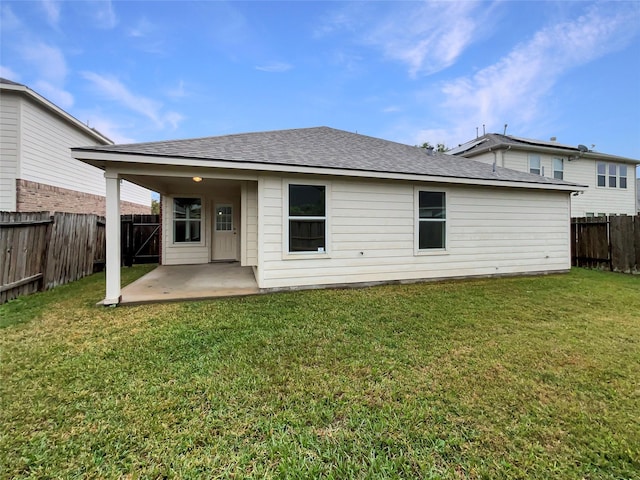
x,y
37,172
319,206
638,195
611,179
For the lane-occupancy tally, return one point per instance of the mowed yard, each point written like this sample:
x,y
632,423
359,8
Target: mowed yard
x,y
535,377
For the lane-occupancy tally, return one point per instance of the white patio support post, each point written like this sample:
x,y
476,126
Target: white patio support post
x,y
112,296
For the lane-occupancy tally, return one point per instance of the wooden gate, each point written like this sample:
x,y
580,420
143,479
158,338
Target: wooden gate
x,y
140,239
610,243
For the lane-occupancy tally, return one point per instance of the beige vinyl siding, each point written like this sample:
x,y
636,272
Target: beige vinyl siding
x,y
185,254
600,199
9,154
583,172
252,223
489,231
46,156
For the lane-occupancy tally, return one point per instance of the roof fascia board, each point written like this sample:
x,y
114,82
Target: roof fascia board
x,y
184,172
100,158
57,110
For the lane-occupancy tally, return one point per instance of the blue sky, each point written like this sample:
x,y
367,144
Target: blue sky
x,y
404,71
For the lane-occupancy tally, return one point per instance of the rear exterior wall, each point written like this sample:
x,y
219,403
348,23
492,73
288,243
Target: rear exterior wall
x,y
371,233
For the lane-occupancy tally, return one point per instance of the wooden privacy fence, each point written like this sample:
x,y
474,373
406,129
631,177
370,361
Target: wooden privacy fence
x,y
39,251
611,243
140,236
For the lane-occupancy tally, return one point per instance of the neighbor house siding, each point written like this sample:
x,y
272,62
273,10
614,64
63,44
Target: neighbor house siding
x,y
9,153
600,199
489,231
581,171
46,156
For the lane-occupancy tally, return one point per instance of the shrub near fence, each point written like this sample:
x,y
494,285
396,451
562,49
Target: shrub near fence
x,y
39,251
611,243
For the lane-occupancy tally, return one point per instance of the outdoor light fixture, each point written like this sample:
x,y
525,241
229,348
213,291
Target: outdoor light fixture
x,y
197,179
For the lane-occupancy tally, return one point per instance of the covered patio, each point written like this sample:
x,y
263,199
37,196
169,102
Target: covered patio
x,y
191,282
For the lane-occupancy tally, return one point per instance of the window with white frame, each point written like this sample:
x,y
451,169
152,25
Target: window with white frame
x,y
622,173
601,169
187,218
432,220
534,164
611,175
307,218
613,168
558,168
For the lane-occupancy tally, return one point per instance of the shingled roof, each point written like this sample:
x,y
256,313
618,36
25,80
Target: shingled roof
x,y
321,147
493,141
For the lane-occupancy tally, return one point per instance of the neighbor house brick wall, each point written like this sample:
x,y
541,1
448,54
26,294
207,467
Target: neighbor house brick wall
x,y
36,197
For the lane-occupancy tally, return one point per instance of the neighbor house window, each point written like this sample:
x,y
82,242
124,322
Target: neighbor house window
x,y
432,220
307,218
602,174
612,175
187,218
622,170
534,164
590,215
617,175
558,168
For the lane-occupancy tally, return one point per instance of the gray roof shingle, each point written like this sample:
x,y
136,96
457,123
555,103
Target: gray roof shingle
x,y
495,140
326,148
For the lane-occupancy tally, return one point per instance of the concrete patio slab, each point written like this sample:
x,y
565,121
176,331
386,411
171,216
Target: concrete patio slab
x,y
191,282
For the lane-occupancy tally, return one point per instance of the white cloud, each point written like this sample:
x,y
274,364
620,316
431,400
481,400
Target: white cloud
x,y
52,11
109,128
116,91
142,29
513,89
8,19
178,91
103,14
275,67
57,95
48,61
427,37
6,72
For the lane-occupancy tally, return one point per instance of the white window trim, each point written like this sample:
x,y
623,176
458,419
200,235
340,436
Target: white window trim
x,y
539,157
286,254
606,175
215,219
203,222
625,176
553,167
416,220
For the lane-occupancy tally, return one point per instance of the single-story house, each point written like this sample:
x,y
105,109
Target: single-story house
x,y
318,207
37,172
610,178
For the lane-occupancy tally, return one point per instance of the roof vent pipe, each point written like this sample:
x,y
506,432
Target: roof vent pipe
x,y
505,129
430,150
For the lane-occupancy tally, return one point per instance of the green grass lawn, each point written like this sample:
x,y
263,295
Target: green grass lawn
x,y
503,378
